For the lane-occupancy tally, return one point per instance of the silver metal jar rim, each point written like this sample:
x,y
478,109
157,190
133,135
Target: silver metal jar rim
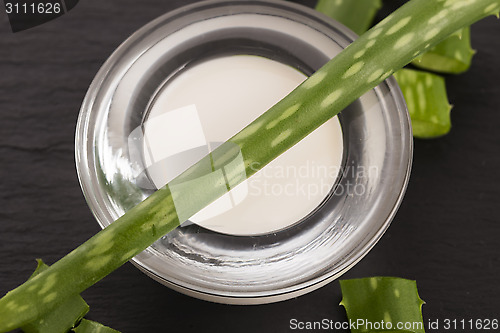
x,y
363,232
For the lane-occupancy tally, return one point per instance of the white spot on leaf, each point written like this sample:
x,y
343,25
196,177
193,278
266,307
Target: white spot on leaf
x,y
459,5
375,75
249,130
33,287
330,99
280,138
421,96
373,283
287,113
428,81
290,111
399,25
438,17
129,255
272,124
12,305
353,69
370,44
431,33
374,33
100,248
359,54
491,8
409,98
50,297
314,80
387,74
384,21
404,40
50,282
23,308
98,262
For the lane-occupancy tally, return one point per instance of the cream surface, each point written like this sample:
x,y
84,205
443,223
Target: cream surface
x,y
210,102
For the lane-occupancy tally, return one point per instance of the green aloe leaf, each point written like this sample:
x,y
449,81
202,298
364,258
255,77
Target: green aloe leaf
x,y
357,15
89,326
62,318
429,109
453,55
425,95
382,304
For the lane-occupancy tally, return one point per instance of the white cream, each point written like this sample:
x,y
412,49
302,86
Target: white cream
x,y
211,102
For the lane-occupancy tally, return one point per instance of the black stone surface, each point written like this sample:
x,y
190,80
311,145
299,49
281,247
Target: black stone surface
x,y
445,234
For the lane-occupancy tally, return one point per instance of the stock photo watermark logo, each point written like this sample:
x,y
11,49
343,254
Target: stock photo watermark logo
x,y
166,145
309,179
362,325
26,14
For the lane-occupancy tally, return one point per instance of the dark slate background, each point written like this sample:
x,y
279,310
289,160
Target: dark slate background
x,y
445,235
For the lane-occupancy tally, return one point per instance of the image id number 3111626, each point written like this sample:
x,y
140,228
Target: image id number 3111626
x,y
33,8
463,324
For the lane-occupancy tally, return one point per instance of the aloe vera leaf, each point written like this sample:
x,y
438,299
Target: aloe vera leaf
x,y
357,15
89,326
90,262
391,302
453,55
429,109
387,47
60,319
425,95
